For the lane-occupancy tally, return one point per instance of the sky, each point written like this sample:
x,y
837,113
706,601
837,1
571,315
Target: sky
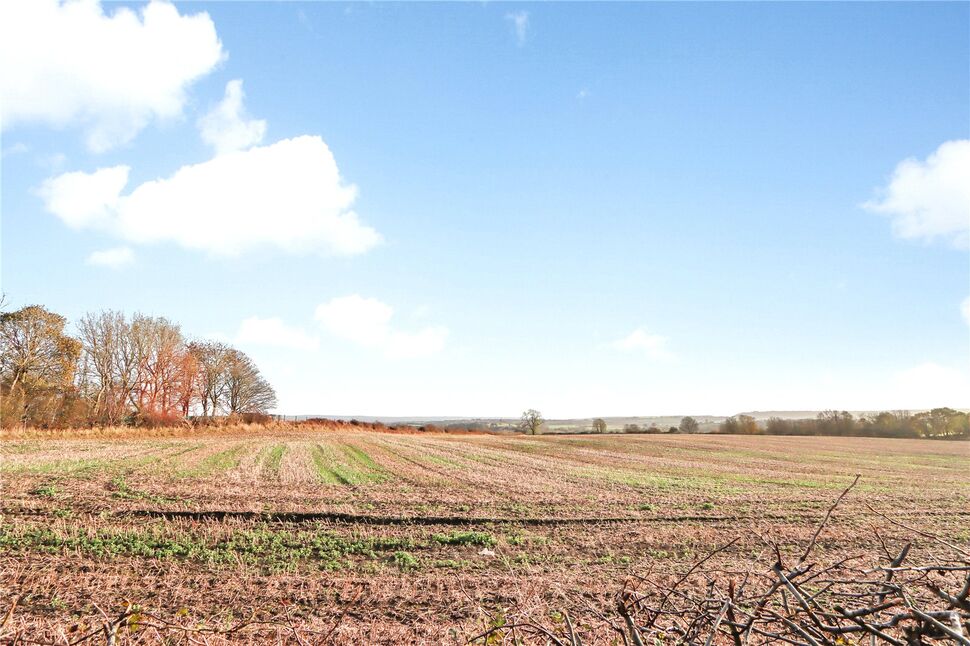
x,y
470,209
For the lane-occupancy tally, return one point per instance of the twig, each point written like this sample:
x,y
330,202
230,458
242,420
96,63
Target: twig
x,y
811,544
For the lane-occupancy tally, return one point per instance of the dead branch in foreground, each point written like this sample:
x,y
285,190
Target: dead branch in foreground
x,y
802,603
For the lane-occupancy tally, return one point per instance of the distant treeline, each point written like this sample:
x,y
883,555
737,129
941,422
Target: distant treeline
x,y
137,370
943,423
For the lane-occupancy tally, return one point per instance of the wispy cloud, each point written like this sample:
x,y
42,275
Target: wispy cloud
x,y
115,258
18,148
274,332
519,21
367,322
304,20
641,341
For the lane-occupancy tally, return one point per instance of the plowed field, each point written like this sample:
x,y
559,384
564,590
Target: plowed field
x,y
369,537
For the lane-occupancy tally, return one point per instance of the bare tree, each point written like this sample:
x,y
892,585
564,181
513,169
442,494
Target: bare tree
x,y
161,351
142,369
138,370
532,421
833,422
688,425
246,389
739,425
114,356
211,360
97,376
599,425
185,388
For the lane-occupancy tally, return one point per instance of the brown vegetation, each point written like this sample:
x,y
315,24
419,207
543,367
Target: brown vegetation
x,y
138,371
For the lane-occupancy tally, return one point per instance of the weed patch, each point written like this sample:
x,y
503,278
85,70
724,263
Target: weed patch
x,y
123,491
332,469
405,560
465,538
275,550
273,460
48,490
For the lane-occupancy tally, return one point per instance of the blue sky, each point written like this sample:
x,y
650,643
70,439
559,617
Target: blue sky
x,y
591,209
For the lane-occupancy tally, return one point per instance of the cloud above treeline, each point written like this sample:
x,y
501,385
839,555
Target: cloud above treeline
x,y
110,73
274,332
367,322
288,195
364,322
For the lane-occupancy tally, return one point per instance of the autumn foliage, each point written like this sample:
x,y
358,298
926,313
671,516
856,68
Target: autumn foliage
x,y
137,370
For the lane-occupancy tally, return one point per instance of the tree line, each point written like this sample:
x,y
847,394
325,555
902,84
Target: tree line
x,y
687,425
943,423
940,423
119,369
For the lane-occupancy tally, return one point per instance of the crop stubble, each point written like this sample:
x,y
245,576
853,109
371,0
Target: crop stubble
x,y
310,519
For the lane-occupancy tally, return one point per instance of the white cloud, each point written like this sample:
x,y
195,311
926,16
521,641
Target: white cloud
x,y
287,195
273,332
930,385
930,199
86,200
226,126
652,345
965,309
519,21
112,258
367,322
582,94
70,63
